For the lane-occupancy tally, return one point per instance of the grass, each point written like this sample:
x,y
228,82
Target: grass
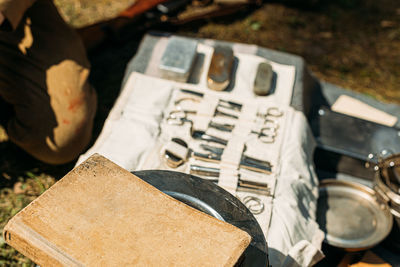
x,y
354,46
13,199
351,43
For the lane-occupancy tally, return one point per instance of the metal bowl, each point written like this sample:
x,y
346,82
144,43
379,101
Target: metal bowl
x,y
353,216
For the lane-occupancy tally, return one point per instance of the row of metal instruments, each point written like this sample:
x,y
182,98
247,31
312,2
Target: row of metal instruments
x,y
200,150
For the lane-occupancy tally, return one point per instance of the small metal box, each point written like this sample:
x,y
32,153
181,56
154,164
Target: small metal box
x,y
178,58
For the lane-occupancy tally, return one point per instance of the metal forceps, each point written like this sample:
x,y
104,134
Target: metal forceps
x,y
179,117
266,134
273,112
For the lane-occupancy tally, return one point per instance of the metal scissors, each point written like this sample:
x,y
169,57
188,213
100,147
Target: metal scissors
x,y
270,117
212,174
266,134
274,112
173,160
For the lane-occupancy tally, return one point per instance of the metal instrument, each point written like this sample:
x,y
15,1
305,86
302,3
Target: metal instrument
x,y
247,186
266,134
192,92
179,117
229,105
173,160
273,112
186,98
218,112
210,138
225,127
222,102
204,171
269,131
246,162
196,99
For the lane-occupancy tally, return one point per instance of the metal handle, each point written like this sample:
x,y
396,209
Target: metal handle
x,y
203,136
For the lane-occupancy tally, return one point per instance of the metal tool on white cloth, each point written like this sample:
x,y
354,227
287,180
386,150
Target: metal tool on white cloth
x,y
218,112
269,131
222,102
224,127
266,134
179,117
249,163
229,105
176,152
246,186
272,112
181,99
209,138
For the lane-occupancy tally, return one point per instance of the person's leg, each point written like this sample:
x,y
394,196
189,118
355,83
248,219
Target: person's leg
x,y
6,112
43,74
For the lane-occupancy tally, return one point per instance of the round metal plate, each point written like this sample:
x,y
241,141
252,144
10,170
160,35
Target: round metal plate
x,y
351,215
215,201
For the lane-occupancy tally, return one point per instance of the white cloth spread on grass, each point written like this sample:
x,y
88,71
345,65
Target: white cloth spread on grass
x,y
133,127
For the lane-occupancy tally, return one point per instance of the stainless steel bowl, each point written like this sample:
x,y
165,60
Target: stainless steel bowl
x,y
353,216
